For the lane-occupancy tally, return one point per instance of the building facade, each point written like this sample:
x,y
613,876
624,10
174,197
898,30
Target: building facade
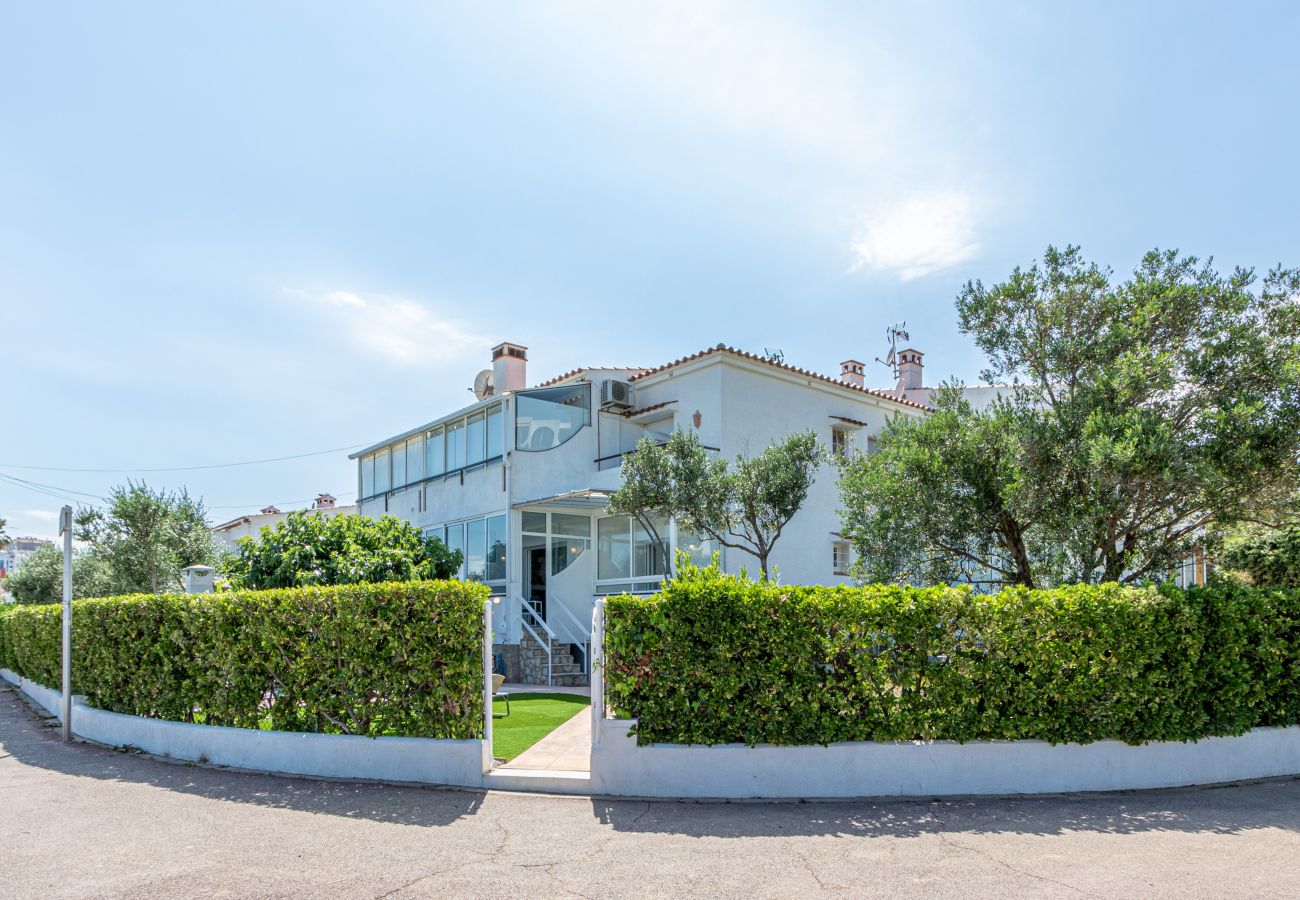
x,y
519,480
228,534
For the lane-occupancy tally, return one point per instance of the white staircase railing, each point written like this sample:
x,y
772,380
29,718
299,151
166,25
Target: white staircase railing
x,y
526,612
578,634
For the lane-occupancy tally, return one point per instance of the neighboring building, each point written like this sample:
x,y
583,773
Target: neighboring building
x,y
911,381
519,481
17,550
229,533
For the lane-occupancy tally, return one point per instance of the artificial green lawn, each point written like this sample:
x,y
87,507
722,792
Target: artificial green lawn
x,y
532,717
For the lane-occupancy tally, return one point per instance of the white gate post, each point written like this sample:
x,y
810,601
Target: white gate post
x,y
487,686
597,669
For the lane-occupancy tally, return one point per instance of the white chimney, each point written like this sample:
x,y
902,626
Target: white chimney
x,y
509,367
909,371
198,579
853,372
324,501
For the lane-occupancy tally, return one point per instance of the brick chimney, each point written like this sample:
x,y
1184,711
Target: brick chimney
x,y
853,372
324,501
509,367
910,377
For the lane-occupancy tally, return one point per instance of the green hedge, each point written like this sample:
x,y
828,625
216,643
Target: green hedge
x,y
371,659
714,659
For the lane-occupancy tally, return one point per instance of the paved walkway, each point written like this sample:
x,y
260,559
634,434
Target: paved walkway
x,y
517,688
567,748
82,821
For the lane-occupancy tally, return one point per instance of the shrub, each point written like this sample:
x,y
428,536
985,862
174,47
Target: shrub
x,y
716,659
402,659
40,578
1271,559
309,548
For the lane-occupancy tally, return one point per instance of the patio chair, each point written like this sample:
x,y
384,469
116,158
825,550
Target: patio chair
x,y
497,681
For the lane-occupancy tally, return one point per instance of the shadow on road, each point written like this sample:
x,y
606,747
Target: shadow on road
x,y
1229,809
35,741
1224,809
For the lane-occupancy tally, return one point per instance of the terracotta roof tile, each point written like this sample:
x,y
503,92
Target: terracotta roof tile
x,y
723,348
645,409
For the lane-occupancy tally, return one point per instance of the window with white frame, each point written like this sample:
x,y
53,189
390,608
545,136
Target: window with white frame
x,y
482,543
841,553
841,442
473,441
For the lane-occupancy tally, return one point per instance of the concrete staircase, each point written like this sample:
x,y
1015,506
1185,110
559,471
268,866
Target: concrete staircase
x,y
566,671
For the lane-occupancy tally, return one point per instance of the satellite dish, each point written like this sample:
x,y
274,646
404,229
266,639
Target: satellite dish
x,y
483,387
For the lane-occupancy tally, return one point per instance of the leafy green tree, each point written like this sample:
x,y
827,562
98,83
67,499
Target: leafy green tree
x,y
745,506
308,548
1270,558
40,578
4,535
146,537
1143,413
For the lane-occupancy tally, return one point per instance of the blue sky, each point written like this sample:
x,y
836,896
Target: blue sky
x,y
242,231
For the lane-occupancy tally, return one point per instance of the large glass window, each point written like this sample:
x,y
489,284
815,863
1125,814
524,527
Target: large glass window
x,y
381,472
699,548
456,446
534,522
399,465
475,550
415,459
613,548
546,418
434,460
474,445
456,541
367,476
625,549
496,549
495,438
648,549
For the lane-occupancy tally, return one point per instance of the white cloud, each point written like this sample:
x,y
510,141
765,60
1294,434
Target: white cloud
x,y
44,515
917,236
399,330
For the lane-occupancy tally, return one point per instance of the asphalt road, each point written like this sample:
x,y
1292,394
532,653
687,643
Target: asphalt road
x,y
83,821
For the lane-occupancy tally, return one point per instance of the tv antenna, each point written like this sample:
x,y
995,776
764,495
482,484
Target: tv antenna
x,y
894,333
775,356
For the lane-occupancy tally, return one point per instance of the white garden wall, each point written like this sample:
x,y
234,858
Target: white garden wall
x,y
421,760
927,768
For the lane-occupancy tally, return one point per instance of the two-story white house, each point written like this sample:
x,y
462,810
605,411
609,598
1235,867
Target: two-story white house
x,y
519,480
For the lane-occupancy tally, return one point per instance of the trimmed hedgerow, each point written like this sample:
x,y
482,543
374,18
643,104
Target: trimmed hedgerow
x,y
369,659
717,659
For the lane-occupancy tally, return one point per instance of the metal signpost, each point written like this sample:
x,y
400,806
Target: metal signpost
x,y
65,529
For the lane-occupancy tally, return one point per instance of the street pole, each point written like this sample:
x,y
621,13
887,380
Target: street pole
x,y
65,526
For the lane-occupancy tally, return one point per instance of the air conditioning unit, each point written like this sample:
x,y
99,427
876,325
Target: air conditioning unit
x,y
615,395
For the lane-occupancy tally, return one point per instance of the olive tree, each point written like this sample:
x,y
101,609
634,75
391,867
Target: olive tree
x,y
744,505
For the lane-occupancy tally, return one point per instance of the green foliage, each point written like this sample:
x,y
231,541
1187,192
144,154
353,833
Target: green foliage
x,y
373,659
745,506
146,537
308,548
1271,558
717,659
1147,411
40,578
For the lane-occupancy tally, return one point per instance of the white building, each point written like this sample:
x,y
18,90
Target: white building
x,y
229,533
519,480
17,550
